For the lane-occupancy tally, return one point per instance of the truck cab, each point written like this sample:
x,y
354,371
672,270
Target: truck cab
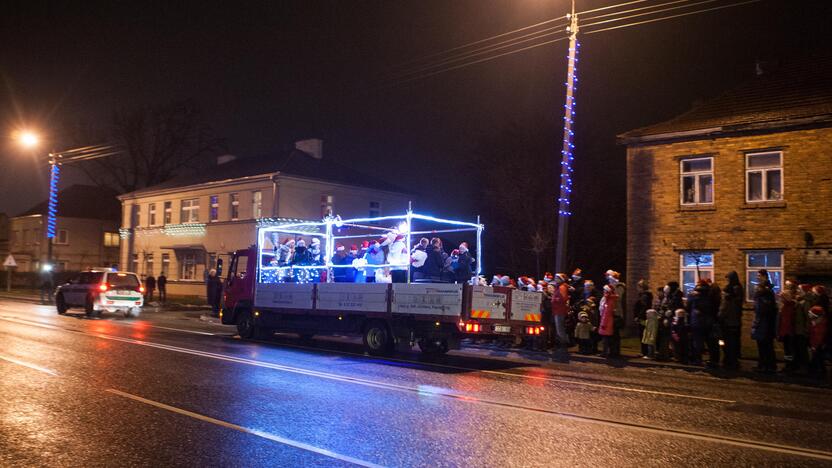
x,y
238,287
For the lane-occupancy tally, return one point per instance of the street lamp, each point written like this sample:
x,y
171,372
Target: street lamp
x,y
28,139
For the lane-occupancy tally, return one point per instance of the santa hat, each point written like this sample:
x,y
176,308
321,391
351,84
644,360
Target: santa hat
x,y
819,289
301,243
815,312
613,274
548,277
315,241
523,279
455,252
495,280
365,245
353,248
288,241
577,273
339,247
560,278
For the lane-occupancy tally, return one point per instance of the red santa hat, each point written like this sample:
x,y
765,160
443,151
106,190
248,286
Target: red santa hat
x,y
613,274
288,241
339,248
560,277
365,245
353,248
455,252
548,277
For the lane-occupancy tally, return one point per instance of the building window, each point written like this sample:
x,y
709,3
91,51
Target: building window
x,y
168,212
764,177
111,239
189,212
134,263
188,267
235,206
148,264
61,238
214,213
165,264
770,260
151,212
375,209
697,183
695,266
257,204
137,215
327,205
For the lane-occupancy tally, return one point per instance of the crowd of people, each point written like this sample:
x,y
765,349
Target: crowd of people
x,y
672,325
382,260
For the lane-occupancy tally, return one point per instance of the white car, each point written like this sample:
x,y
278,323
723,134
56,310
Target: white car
x,y
102,289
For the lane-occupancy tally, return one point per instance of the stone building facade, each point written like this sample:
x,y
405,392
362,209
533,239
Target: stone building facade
x,y
739,183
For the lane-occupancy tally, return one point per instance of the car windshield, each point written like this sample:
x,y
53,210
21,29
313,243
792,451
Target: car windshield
x,y
122,281
90,277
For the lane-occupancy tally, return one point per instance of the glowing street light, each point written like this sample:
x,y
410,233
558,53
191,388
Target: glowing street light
x,y
28,139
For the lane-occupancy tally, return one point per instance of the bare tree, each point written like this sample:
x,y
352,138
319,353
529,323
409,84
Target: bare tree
x,y
157,142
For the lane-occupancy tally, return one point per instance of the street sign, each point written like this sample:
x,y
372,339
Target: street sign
x,y
9,262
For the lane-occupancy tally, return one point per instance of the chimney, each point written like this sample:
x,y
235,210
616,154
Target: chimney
x,y
225,158
314,147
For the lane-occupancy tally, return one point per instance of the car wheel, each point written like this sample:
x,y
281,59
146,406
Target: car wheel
x,y
89,310
60,304
245,324
378,340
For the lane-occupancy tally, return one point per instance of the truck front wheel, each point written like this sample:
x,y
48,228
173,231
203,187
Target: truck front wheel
x,y
378,340
245,324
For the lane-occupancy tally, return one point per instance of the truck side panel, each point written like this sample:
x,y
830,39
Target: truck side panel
x,y
441,300
284,296
357,297
487,304
525,305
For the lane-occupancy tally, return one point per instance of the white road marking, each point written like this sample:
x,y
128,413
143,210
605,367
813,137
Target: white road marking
x,y
265,435
29,365
714,438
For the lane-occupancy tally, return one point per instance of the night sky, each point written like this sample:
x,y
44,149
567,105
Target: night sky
x,y
267,73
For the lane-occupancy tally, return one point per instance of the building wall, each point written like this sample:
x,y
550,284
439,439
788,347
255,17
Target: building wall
x,y
208,240
84,246
659,228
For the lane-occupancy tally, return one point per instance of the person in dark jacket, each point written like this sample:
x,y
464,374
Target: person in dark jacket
x,y
730,319
149,287
213,291
672,297
764,326
702,318
464,265
435,262
644,302
162,284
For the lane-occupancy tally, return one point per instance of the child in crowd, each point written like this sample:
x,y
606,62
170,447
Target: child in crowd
x,y
651,330
679,333
583,333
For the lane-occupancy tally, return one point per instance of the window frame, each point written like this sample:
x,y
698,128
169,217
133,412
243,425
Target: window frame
x,y
151,214
327,204
213,208
256,204
192,210
165,269
764,179
188,260
683,268
696,175
108,239
57,239
751,272
167,213
234,200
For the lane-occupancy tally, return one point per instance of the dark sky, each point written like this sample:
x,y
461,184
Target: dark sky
x,y
272,71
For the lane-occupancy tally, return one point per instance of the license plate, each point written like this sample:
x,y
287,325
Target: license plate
x,y
502,329
124,293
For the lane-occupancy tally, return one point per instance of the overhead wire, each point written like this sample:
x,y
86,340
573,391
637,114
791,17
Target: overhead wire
x,y
631,10
653,20
648,13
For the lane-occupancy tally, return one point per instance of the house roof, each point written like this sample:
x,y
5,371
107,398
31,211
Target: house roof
x,y
290,163
82,201
798,93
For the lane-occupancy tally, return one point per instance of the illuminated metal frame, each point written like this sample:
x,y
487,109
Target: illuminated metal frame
x,y
297,229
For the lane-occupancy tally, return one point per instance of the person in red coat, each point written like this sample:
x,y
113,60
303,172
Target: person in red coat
x,y
817,337
785,324
560,309
607,326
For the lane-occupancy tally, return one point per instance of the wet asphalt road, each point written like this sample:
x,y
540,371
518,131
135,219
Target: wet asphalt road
x,y
165,390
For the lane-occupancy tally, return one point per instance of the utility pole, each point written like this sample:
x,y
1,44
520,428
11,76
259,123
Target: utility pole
x,y
564,209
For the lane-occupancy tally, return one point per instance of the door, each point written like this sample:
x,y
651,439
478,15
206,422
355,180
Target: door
x,y
238,282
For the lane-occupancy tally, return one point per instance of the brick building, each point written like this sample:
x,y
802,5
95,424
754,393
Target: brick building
x,y
740,182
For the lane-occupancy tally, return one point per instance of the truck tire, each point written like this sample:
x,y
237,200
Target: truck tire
x,y
433,347
378,339
245,324
60,304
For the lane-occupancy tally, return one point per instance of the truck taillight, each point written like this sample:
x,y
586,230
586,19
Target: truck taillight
x,y
473,327
103,287
533,330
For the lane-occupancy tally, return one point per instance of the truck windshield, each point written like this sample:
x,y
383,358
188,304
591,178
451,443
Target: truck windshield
x,y
122,281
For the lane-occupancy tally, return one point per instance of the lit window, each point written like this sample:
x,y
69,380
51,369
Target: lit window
x,y
375,209
168,212
188,267
771,261
697,183
62,237
695,266
111,239
257,204
327,205
151,211
214,213
764,177
235,206
189,212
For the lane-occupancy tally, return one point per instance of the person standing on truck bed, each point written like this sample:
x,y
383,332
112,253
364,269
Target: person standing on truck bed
x,y
464,267
435,261
342,275
374,256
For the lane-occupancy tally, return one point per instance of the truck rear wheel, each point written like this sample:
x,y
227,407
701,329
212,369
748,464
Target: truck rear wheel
x,y
378,340
433,347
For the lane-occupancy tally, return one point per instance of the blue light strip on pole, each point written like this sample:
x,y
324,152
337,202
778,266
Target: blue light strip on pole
x,y
52,211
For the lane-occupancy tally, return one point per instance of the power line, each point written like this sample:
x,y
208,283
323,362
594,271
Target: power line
x,y
609,7
651,12
670,17
585,18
